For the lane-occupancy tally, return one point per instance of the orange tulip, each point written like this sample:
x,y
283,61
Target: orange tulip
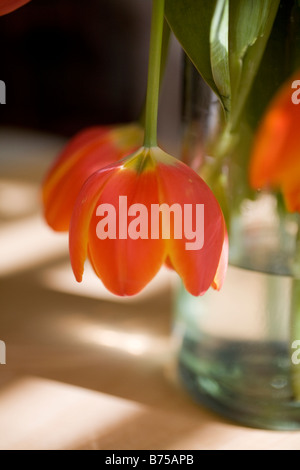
x,y
87,152
119,222
7,6
275,160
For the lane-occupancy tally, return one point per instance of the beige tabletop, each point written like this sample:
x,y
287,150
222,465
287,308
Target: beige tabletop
x,y
84,369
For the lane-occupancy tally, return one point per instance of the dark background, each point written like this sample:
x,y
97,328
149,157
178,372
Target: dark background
x,y
68,64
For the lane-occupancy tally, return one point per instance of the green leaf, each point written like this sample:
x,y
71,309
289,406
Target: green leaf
x,y
250,25
219,54
280,60
190,21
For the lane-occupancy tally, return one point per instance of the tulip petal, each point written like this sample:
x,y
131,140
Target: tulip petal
x,y
276,147
120,199
88,152
290,187
197,268
75,147
222,267
126,266
7,6
59,202
169,264
81,218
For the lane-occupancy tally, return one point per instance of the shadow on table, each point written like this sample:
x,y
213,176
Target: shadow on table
x,y
122,349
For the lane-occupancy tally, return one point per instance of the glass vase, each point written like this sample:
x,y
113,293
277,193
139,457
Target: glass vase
x,y
240,347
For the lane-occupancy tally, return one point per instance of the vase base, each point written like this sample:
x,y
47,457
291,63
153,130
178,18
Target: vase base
x,y
248,383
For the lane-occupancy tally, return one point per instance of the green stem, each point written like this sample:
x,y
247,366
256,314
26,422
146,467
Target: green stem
x,y
154,73
164,57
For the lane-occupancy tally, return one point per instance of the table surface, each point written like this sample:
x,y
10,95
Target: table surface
x,y
86,370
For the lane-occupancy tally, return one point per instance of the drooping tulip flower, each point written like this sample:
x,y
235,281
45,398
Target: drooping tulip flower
x,y
134,215
89,151
275,161
7,6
